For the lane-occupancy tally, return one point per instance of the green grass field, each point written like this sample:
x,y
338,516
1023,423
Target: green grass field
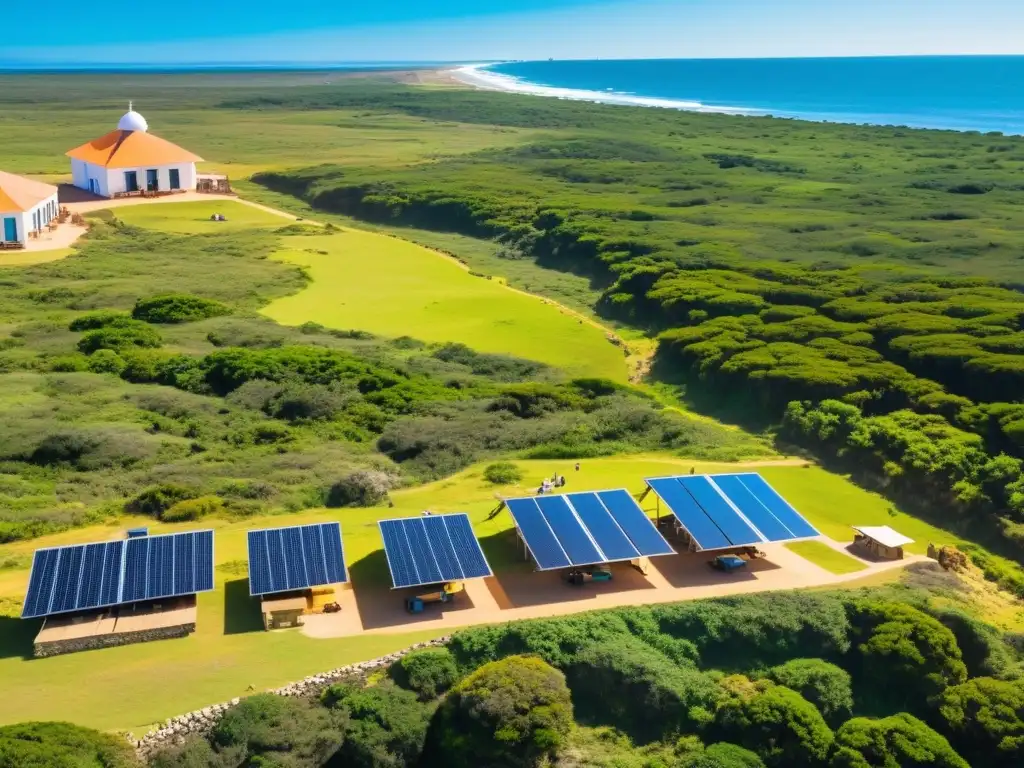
x,y
188,218
230,652
392,287
828,558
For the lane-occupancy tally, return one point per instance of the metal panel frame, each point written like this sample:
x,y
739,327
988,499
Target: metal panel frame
x,y
123,546
526,542
406,520
264,531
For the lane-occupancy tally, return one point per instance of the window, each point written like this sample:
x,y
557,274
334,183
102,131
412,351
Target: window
x,y
175,179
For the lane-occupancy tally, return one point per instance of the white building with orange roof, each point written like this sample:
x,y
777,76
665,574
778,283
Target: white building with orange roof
x,y
131,160
26,206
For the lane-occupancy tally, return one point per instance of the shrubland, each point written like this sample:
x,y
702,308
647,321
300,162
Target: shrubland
x,y
118,394
824,680
856,289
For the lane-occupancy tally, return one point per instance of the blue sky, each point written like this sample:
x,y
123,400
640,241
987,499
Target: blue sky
x,y
463,30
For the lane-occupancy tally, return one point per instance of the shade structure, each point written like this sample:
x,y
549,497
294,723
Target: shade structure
x,y
587,528
431,549
295,557
101,575
725,511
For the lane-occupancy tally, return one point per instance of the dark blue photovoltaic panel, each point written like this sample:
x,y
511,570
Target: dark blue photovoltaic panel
x,y
297,557
606,532
467,548
635,523
735,528
755,511
570,531
399,553
778,506
700,527
432,549
88,576
537,533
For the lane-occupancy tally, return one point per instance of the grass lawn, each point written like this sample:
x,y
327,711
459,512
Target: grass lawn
x,y
194,217
392,287
230,652
829,559
29,258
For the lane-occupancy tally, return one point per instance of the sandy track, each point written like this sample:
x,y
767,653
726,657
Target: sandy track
x,y
524,594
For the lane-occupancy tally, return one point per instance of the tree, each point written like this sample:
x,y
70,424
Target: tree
x,y
365,488
724,755
429,672
386,725
986,719
62,745
512,713
777,723
825,685
282,731
907,654
900,741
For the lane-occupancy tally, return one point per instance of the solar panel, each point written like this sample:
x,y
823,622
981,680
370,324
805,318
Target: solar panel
x,y
432,549
539,538
88,576
702,529
586,528
742,510
739,532
295,557
753,509
635,523
777,505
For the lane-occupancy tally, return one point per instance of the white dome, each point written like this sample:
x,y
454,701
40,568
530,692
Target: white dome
x,y
132,121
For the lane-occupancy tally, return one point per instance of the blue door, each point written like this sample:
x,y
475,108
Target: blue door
x,y
175,179
152,180
10,230
131,181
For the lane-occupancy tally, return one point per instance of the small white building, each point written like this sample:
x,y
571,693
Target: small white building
x,y
26,206
132,161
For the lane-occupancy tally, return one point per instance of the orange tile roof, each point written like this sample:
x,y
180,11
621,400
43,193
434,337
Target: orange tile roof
x,y
18,194
131,149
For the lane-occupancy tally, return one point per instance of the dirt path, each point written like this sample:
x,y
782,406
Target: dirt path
x,y
524,594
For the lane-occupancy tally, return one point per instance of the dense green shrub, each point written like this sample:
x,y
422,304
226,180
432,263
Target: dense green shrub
x,y
105,319
177,308
195,752
192,509
429,672
773,721
724,755
654,696
106,361
365,488
825,685
512,713
502,473
387,726
121,337
899,741
985,719
279,731
155,501
62,745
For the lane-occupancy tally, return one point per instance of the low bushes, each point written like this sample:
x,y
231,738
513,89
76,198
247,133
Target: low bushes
x,y
157,500
120,337
429,672
192,509
503,473
62,745
177,308
365,488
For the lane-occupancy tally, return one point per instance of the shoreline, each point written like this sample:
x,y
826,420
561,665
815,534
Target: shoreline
x,y
478,76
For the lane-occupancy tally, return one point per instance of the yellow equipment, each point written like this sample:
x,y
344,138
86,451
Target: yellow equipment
x,y
445,594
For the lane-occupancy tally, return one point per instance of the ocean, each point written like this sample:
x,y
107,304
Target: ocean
x,y
965,93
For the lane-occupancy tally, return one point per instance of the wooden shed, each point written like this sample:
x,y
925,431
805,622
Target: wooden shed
x,y
880,542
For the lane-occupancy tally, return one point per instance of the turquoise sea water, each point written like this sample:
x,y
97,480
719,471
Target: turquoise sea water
x,y
980,93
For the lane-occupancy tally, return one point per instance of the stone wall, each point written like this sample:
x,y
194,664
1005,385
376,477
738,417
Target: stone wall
x,y
110,639
202,721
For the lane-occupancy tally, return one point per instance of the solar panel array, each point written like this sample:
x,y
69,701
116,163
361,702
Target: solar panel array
x,y
731,510
578,529
297,557
88,576
432,549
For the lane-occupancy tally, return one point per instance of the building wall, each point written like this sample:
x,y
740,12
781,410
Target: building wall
x,y
115,183
47,210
